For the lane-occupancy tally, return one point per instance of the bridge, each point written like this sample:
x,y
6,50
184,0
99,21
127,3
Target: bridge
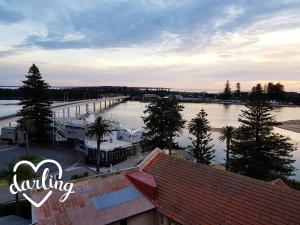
x,y
64,109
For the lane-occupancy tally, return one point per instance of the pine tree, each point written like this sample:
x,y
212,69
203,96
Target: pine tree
x,y
256,150
238,89
35,103
163,121
227,91
200,129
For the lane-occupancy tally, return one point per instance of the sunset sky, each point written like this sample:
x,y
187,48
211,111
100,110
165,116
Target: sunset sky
x,y
187,44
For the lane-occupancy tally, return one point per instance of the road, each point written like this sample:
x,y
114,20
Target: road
x,y
65,156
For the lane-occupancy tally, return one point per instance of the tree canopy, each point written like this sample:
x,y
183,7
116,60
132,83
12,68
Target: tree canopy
x,y
227,91
200,129
99,129
257,151
226,136
35,103
163,121
275,91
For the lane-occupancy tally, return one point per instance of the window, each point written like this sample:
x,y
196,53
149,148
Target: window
x,y
123,222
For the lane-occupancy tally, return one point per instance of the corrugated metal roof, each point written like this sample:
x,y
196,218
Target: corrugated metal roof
x,y
79,208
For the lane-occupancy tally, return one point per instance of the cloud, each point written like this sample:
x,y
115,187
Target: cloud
x,y
9,16
152,42
7,53
127,23
231,13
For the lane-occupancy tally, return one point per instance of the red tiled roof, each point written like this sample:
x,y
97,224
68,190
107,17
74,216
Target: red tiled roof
x,y
279,182
145,183
79,209
197,194
143,177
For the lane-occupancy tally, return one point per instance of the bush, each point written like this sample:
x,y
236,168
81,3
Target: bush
x,y
292,183
78,176
32,158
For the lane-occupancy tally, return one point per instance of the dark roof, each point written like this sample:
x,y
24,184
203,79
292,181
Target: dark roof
x,y
192,194
14,220
80,207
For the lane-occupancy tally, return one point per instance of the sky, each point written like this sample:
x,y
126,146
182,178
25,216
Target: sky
x,y
180,44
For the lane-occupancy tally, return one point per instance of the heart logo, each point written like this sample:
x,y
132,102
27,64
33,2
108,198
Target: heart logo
x,y
35,169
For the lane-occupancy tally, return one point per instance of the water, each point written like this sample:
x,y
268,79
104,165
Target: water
x,y
8,107
129,115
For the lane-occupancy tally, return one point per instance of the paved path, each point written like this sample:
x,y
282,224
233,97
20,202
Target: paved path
x,y
129,163
4,148
65,156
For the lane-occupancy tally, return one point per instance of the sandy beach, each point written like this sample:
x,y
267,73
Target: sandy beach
x,y
292,125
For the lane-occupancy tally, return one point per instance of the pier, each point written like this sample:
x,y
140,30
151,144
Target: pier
x,y
64,109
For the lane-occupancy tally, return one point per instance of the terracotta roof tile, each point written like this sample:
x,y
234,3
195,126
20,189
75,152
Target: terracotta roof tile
x,y
198,194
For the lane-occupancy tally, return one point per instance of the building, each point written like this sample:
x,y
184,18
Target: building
x,y
12,135
164,190
115,147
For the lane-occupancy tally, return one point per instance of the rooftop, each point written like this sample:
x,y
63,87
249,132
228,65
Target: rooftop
x,y
14,220
107,145
193,193
92,203
187,192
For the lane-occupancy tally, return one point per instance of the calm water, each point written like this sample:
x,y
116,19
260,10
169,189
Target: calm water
x,y
8,107
129,115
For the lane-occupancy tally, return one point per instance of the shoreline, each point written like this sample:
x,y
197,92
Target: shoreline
x,y
187,100
291,125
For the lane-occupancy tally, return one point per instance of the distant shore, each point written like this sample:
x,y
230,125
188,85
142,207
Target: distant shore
x,y
291,125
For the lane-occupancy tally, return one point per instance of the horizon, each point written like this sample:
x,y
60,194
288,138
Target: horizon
x,y
188,45
171,89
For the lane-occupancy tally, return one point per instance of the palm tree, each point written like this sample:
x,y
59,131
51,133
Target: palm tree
x,y
23,173
99,129
227,135
27,126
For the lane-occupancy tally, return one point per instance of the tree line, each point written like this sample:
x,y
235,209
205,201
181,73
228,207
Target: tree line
x,y
253,149
271,91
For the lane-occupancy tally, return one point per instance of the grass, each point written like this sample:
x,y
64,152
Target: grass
x,y
32,158
79,176
3,182
175,155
